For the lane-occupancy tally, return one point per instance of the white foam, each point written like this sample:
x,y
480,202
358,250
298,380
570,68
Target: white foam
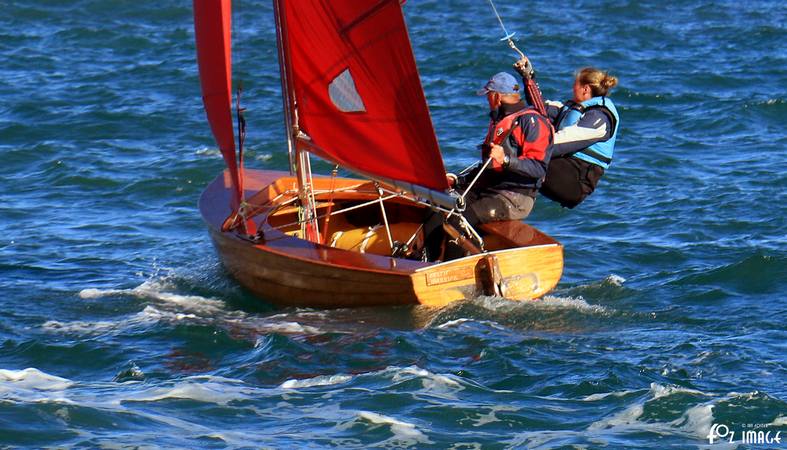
x,y
198,392
493,303
744,395
660,391
697,420
147,316
779,421
32,378
291,327
316,381
624,418
603,395
576,303
156,289
693,424
547,303
177,308
208,151
430,380
207,389
460,321
403,431
153,314
97,293
491,416
32,385
82,327
546,439
171,307
453,323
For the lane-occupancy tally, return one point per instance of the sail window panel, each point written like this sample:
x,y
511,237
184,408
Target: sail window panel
x,y
344,94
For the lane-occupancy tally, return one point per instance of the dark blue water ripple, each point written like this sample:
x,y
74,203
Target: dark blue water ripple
x,y
120,328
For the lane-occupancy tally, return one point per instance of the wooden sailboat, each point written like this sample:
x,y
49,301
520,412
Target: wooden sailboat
x,y
352,96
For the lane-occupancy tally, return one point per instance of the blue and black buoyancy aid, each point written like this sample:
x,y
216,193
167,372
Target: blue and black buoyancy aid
x,y
599,153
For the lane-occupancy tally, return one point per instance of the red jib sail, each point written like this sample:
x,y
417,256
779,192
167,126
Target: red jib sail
x,y
212,31
355,85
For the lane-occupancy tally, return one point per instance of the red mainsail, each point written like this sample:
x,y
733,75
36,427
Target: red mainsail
x,y
353,78
214,55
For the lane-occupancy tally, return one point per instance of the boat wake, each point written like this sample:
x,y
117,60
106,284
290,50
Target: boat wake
x,y
156,289
163,306
550,313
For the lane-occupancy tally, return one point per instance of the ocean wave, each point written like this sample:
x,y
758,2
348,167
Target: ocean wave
x,y
431,381
693,423
205,389
208,151
106,149
701,410
32,378
754,274
169,307
604,395
779,421
157,289
316,381
33,386
165,306
551,312
405,434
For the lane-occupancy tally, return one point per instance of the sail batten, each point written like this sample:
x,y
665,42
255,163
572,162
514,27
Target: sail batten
x,y
359,96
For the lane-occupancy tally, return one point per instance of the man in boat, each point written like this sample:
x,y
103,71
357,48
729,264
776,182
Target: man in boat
x,y
516,152
585,138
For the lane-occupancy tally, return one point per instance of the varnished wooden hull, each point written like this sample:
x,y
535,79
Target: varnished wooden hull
x,y
289,271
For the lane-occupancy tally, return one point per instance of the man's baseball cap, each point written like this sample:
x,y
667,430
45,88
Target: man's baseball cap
x,y
502,82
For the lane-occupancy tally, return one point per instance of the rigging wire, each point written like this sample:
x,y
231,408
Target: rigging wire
x,y
499,19
533,92
508,36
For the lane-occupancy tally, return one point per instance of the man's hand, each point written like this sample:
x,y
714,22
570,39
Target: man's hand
x,y
498,154
524,68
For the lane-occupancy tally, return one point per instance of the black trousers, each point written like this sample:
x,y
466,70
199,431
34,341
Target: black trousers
x,y
570,180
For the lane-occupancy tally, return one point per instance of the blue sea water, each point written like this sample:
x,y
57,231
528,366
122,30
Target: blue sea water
x,y
119,328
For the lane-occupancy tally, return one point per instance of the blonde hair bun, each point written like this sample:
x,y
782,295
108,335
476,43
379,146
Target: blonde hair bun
x,y
609,81
600,82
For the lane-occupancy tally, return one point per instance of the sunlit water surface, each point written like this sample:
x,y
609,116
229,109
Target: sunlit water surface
x,y
119,327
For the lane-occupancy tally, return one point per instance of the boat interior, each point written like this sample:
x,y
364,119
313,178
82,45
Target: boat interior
x,y
366,217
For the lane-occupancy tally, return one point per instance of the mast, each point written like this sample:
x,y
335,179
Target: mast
x,y
298,156
286,93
